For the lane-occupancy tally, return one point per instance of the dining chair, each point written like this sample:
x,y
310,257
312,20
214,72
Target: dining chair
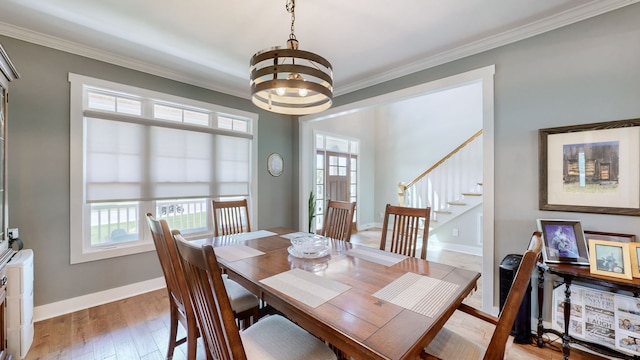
x,y
245,305
180,309
409,224
448,344
338,219
272,337
230,217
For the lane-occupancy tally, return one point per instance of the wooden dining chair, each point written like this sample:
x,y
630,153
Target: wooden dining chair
x,y
245,305
338,219
230,217
180,309
448,344
272,337
408,225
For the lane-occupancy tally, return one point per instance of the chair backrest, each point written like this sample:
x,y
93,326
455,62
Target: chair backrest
x,y
511,307
338,218
170,262
212,307
230,217
408,225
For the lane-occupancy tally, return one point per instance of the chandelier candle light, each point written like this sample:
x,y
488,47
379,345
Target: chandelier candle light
x,y
291,81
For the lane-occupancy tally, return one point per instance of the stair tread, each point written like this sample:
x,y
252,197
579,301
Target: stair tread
x,y
457,203
472,194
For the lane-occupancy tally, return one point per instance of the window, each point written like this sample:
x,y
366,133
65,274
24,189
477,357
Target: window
x,y
134,151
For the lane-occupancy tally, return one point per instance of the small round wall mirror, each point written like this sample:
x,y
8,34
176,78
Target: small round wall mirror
x,y
275,164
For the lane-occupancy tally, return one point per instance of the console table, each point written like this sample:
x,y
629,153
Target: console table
x,y
580,274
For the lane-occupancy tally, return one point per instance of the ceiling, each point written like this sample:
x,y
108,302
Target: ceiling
x,y
208,43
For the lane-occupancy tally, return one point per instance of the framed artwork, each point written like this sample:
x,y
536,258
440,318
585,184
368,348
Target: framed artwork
x,y
563,241
634,251
597,235
275,164
591,168
610,258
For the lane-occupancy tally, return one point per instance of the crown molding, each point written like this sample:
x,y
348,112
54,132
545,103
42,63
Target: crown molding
x,y
588,10
104,56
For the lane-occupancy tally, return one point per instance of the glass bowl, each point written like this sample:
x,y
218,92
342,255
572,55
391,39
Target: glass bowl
x,y
309,246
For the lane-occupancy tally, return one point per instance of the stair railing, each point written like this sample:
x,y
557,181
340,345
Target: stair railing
x,y
447,180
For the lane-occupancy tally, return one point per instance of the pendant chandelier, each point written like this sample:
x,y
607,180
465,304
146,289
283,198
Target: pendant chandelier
x,y
291,81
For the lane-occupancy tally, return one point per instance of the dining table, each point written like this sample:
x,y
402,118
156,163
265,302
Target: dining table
x,y
365,302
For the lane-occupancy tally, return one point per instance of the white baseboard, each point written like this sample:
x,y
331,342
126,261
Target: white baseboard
x,y
62,307
363,227
473,250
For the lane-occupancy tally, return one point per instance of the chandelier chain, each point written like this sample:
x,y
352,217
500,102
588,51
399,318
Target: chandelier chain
x,y
291,8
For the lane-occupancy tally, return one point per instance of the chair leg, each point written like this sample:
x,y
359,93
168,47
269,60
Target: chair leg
x,y
173,330
192,339
247,318
255,316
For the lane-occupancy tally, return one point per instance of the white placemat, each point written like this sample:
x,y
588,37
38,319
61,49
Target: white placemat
x,y
236,252
295,235
418,293
376,255
306,287
250,235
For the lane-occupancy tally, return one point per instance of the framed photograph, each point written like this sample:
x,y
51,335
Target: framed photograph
x,y
597,235
610,258
591,168
634,251
563,241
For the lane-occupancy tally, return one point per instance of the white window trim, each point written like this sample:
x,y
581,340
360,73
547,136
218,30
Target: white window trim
x,y
79,210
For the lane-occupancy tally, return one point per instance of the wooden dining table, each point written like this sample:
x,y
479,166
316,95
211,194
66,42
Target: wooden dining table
x,y
367,303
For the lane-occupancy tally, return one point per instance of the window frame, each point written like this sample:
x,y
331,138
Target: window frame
x,y
80,211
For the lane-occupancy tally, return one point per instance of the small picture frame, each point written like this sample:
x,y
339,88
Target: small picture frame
x,y
634,251
610,258
597,235
563,241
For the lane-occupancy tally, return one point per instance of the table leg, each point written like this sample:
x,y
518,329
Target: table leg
x,y
567,317
540,300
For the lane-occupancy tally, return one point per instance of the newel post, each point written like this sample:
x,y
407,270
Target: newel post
x,y
402,189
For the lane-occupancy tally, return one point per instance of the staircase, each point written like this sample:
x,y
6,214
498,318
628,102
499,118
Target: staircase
x,y
451,187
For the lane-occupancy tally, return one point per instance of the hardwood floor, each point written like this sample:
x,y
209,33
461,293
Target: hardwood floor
x,y
136,328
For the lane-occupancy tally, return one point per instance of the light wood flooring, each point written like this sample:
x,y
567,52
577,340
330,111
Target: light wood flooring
x,y
136,328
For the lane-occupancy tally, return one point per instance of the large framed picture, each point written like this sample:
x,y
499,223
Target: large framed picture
x,y
591,168
563,241
610,258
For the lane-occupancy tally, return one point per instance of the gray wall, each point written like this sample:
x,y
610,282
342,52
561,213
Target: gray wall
x,y
583,73
38,168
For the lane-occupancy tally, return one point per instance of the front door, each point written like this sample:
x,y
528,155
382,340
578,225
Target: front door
x,y
338,170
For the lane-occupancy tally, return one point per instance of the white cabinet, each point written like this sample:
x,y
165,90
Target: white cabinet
x,y
20,303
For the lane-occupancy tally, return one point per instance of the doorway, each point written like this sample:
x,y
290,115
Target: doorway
x,y
336,169
485,76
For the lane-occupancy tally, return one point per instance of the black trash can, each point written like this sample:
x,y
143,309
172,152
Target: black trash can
x,y
522,326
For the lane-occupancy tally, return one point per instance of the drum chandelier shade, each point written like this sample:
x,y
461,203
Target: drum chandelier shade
x,y
291,81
